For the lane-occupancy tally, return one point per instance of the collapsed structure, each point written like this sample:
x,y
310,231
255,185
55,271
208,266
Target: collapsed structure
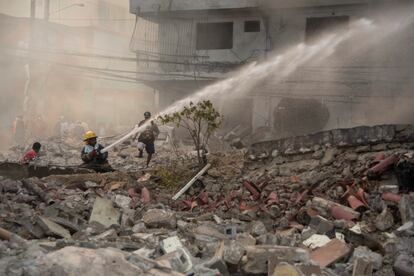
x,y
332,203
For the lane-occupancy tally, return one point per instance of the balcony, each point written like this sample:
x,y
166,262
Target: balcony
x,y
151,6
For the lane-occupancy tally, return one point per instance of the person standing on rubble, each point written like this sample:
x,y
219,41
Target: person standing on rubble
x,y
146,138
92,156
32,154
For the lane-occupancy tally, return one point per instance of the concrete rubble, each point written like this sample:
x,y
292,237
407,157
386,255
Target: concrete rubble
x,y
331,208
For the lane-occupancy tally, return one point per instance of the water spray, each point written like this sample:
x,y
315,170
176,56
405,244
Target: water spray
x,y
277,68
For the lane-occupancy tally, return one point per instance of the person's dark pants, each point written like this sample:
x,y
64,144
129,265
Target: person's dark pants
x,y
150,149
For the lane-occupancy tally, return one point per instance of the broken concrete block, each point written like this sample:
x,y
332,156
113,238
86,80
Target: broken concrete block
x,y
139,227
256,258
145,252
245,239
123,201
179,260
127,218
385,220
406,206
329,156
208,234
158,218
362,267
218,264
321,225
285,269
407,229
316,241
404,265
310,269
52,228
287,232
362,252
109,234
233,253
330,253
77,261
171,244
104,213
257,228
231,231
145,238
199,270
269,238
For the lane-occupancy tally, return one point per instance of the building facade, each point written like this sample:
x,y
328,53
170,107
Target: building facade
x,y
190,44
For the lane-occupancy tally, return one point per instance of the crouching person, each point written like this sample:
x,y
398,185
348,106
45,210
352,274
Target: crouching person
x,y
92,156
32,154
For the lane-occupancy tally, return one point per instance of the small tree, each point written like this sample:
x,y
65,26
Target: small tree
x,y
200,120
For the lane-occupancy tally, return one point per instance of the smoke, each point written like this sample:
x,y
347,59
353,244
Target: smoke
x,y
362,72
52,70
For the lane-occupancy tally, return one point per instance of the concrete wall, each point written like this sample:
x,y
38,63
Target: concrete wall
x,y
187,5
358,136
306,3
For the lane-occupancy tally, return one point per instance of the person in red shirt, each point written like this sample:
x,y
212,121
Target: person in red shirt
x,y
32,154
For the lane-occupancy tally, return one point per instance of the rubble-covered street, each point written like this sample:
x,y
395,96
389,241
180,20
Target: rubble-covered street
x,y
333,203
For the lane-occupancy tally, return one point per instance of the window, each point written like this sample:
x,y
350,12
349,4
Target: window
x,y
252,26
316,27
214,36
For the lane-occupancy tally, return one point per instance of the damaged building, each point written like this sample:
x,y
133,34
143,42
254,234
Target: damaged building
x,y
196,43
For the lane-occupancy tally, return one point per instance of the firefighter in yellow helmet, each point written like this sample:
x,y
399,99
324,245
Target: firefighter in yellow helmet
x,y
92,156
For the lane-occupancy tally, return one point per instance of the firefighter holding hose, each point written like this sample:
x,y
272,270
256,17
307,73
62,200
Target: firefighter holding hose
x,y
92,156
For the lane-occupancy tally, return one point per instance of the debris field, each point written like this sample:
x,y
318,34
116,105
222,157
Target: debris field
x,y
338,202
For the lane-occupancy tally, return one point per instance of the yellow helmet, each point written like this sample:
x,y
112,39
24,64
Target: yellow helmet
x,y
89,135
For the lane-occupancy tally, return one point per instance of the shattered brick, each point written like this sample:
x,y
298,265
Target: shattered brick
x,y
330,253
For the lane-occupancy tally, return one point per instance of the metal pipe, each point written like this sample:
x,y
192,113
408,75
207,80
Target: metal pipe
x,y
191,182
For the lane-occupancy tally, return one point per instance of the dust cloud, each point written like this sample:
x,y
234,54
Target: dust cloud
x,y
51,71
362,73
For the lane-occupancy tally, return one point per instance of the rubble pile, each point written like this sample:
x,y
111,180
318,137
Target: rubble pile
x,y
66,153
323,209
